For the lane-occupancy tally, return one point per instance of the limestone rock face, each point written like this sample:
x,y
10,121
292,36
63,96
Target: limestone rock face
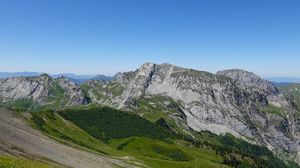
x,y
74,94
41,90
249,79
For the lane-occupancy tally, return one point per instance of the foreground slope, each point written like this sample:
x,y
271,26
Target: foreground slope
x,y
17,162
17,138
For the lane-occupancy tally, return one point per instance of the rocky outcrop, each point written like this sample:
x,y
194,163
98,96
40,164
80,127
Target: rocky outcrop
x,y
40,91
249,79
74,95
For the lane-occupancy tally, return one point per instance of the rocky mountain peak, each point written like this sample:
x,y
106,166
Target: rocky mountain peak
x,y
146,69
249,79
64,80
45,76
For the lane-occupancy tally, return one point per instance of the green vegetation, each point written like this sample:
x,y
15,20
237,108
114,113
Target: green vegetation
x,y
22,105
123,134
56,96
105,123
239,153
147,150
65,131
173,154
273,110
115,88
158,107
156,104
101,90
96,89
56,90
192,73
179,154
208,77
14,162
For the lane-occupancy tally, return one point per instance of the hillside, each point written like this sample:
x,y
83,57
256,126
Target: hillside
x,y
40,92
119,133
20,140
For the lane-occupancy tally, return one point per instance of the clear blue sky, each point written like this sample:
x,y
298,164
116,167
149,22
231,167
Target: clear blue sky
x,y
107,36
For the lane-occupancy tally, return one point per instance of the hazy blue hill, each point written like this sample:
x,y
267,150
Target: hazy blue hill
x,y
16,74
281,84
284,80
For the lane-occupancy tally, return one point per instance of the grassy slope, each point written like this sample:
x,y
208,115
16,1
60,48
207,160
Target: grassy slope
x,y
273,110
65,131
153,152
101,90
148,145
159,154
14,162
156,107
106,123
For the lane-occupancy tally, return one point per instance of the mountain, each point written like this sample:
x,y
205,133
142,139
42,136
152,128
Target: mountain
x,y
102,78
78,79
184,101
284,80
18,74
40,92
231,101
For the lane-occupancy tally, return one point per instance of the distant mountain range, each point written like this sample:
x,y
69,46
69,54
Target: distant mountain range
x,y
284,80
278,81
78,79
17,74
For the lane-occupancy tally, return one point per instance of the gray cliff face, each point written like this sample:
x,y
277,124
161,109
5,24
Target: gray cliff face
x,y
232,101
249,79
41,90
74,95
